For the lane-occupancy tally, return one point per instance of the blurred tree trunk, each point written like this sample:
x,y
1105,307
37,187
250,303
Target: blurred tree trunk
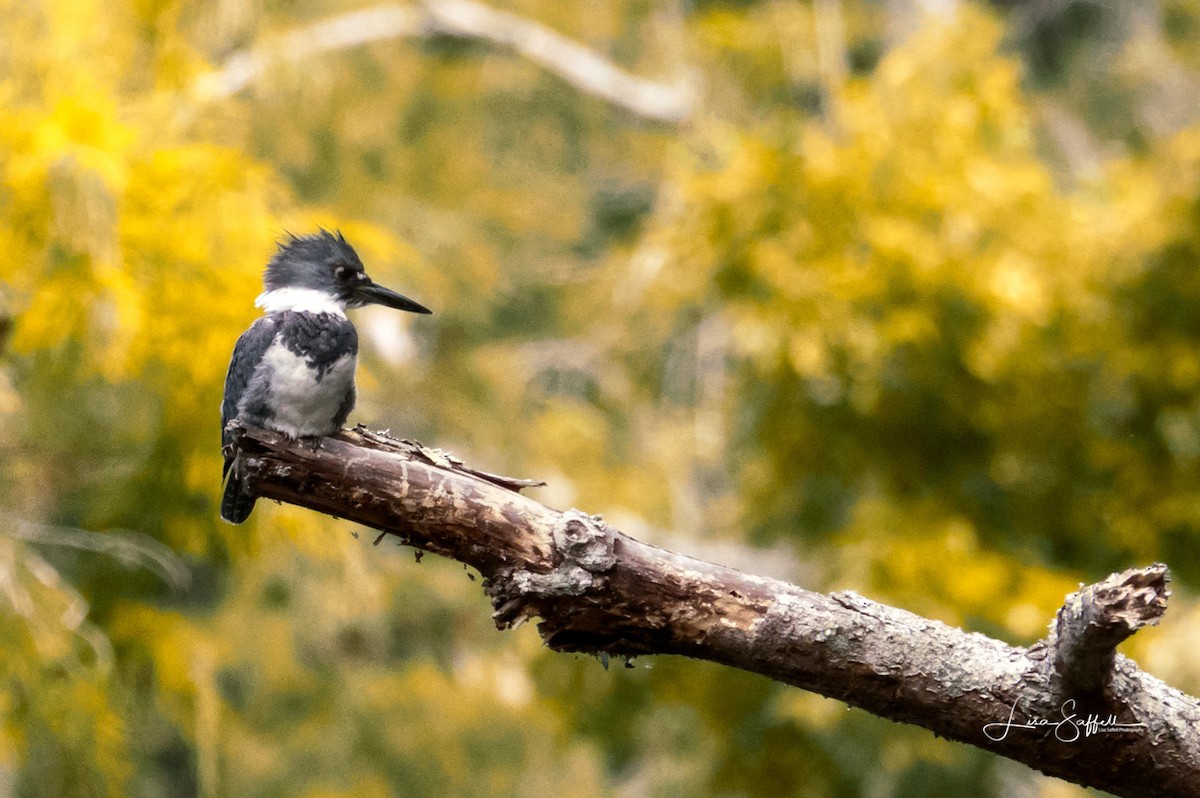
x,y
905,17
833,62
599,591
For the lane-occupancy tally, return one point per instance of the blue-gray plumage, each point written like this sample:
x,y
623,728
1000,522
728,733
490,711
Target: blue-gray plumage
x,y
293,370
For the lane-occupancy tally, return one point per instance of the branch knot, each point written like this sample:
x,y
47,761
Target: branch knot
x,y
586,541
583,549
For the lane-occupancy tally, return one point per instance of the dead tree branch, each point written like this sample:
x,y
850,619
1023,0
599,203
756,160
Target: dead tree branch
x,y
574,63
599,591
1095,619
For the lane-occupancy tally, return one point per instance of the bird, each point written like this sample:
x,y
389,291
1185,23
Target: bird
x,y
292,371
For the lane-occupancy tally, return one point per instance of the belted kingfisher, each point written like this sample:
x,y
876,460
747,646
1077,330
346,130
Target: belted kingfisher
x,y
293,370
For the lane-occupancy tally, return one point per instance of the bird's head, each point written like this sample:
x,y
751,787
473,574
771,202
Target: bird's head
x,y
323,271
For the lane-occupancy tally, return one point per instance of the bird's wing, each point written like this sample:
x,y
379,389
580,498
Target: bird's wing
x,y
246,355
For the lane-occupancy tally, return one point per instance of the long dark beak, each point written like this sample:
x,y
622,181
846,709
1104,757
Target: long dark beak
x,y
374,294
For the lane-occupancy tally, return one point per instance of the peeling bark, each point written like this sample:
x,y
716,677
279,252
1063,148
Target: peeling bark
x,y
599,591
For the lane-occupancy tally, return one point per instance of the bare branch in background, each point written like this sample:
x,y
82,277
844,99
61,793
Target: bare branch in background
x,y
341,32
49,622
599,591
131,549
577,65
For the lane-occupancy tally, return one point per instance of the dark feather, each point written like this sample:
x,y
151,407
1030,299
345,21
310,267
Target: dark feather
x,y
237,503
249,350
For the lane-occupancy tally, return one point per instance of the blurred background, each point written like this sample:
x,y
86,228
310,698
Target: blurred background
x,y
895,296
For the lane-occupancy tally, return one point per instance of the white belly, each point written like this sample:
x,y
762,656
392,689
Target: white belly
x,y
301,405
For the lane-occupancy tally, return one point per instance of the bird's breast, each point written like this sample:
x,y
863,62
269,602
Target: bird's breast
x,y
305,395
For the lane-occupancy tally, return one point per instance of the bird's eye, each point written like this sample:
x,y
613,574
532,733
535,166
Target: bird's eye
x,y
340,271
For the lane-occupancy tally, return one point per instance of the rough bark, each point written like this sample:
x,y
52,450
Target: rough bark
x,y
599,591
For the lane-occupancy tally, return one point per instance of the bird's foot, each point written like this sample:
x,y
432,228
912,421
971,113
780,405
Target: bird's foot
x,y
313,441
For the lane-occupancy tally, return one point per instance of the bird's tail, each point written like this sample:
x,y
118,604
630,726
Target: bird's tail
x,y
236,501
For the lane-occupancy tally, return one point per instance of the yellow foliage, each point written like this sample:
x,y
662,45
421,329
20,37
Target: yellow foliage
x,y
961,582
867,317
55,674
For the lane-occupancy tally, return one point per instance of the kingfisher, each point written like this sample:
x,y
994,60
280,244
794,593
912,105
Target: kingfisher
x,y
293,370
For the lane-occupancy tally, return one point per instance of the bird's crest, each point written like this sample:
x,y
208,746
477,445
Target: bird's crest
x,y
305,261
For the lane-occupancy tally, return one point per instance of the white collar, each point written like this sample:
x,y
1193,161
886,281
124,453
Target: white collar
x,y
300,300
